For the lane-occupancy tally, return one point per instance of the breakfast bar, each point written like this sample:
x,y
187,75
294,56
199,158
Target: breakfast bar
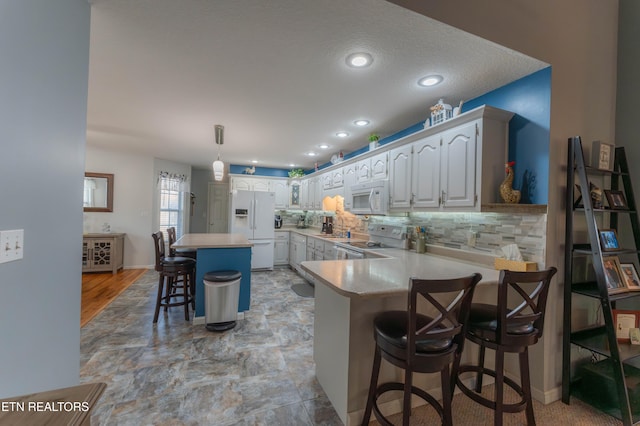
x,y
348,295
217,252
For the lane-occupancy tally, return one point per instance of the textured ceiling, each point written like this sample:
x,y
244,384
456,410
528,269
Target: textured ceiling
x,y
163,72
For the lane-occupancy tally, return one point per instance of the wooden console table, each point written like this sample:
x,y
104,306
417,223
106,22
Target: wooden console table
x,y
60,407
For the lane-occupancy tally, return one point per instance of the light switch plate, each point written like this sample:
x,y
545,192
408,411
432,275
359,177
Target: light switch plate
x,y
11,245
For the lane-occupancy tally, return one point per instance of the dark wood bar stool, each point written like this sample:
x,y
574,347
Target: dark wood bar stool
x,y
511,326
422,344
182,252
179,273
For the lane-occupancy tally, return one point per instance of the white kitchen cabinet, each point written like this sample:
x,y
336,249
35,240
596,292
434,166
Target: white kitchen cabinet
x,y
281,188
297,252
458,165
425,173
458,168
400,177
242,183
304,194
281,249
337,177
373,168
327,182
350,178
315,193
294,194
329,251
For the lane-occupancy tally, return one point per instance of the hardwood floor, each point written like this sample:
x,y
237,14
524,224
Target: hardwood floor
x,y
100,289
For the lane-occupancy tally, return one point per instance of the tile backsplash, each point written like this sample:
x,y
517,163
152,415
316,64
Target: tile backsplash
x,y
482,233
477,233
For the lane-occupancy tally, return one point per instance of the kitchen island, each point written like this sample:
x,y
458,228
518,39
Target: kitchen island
x,y
217,252
348,295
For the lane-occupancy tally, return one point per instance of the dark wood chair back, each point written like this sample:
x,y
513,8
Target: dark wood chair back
x,y
521,311
158,242
448,322
171,235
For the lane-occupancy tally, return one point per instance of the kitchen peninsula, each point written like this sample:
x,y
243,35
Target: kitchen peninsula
x,y
348,295
219,252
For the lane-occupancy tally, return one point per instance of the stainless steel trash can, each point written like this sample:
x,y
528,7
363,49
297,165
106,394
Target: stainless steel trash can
x,y
221,299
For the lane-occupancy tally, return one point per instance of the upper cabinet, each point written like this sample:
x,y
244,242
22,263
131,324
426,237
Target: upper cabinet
x,y
457,169
280,186
400,182
281,189
373,168
241,183
350,178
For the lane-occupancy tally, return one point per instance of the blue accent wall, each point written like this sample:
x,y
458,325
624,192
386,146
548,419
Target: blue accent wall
x,y
260,171
530,99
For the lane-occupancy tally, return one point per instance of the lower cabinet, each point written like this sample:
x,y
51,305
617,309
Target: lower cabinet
x,y
297,252
281,250
102,252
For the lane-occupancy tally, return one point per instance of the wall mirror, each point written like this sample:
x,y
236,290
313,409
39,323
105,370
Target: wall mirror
x,y
98,192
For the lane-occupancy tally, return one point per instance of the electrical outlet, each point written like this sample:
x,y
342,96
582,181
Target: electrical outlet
x,y
11,245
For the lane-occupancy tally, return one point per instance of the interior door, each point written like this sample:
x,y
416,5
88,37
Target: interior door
x,y
218,211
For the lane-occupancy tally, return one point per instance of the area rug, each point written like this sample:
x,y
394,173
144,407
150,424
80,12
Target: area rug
x,y
303,290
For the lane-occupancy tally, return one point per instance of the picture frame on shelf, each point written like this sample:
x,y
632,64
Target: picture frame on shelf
x,y
624,321
609,240
630,276
616,199
602,155
615,282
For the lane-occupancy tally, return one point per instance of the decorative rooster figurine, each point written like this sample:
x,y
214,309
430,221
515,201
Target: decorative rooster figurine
x,y
250,170
508,194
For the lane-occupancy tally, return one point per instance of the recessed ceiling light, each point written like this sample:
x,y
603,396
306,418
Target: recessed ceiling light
x,y
323,146
254,161
292,165
311,154
359,60
342,134
361,122
430,80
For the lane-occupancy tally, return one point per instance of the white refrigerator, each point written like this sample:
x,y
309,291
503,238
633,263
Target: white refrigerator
x,y
252,215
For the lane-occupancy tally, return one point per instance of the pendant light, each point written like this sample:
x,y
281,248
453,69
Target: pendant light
x,y
218,165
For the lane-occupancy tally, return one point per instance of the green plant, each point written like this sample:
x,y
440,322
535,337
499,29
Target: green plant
x,y
373,137
293,173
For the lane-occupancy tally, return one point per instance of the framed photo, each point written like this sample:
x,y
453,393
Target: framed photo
x,y
614,280
609,240
624,322
616,199
602,155
630,276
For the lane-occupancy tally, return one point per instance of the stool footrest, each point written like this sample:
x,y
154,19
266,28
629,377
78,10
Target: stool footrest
x,y
397,386
507,408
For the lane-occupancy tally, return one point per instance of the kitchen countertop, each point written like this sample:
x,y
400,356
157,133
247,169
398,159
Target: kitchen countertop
x,y
196,241
379,277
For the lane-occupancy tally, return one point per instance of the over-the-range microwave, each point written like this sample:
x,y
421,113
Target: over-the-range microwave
x,y
370,197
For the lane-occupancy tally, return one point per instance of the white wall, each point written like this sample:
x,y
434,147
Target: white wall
x,y
132,202
44,51
579,39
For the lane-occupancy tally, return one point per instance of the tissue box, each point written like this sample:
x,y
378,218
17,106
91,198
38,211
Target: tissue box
x,y
515,265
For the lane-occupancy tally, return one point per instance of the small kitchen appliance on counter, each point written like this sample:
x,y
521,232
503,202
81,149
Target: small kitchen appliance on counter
x,y
327,225
278,221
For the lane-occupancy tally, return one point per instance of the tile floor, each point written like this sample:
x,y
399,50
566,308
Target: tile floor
x,y
175,373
